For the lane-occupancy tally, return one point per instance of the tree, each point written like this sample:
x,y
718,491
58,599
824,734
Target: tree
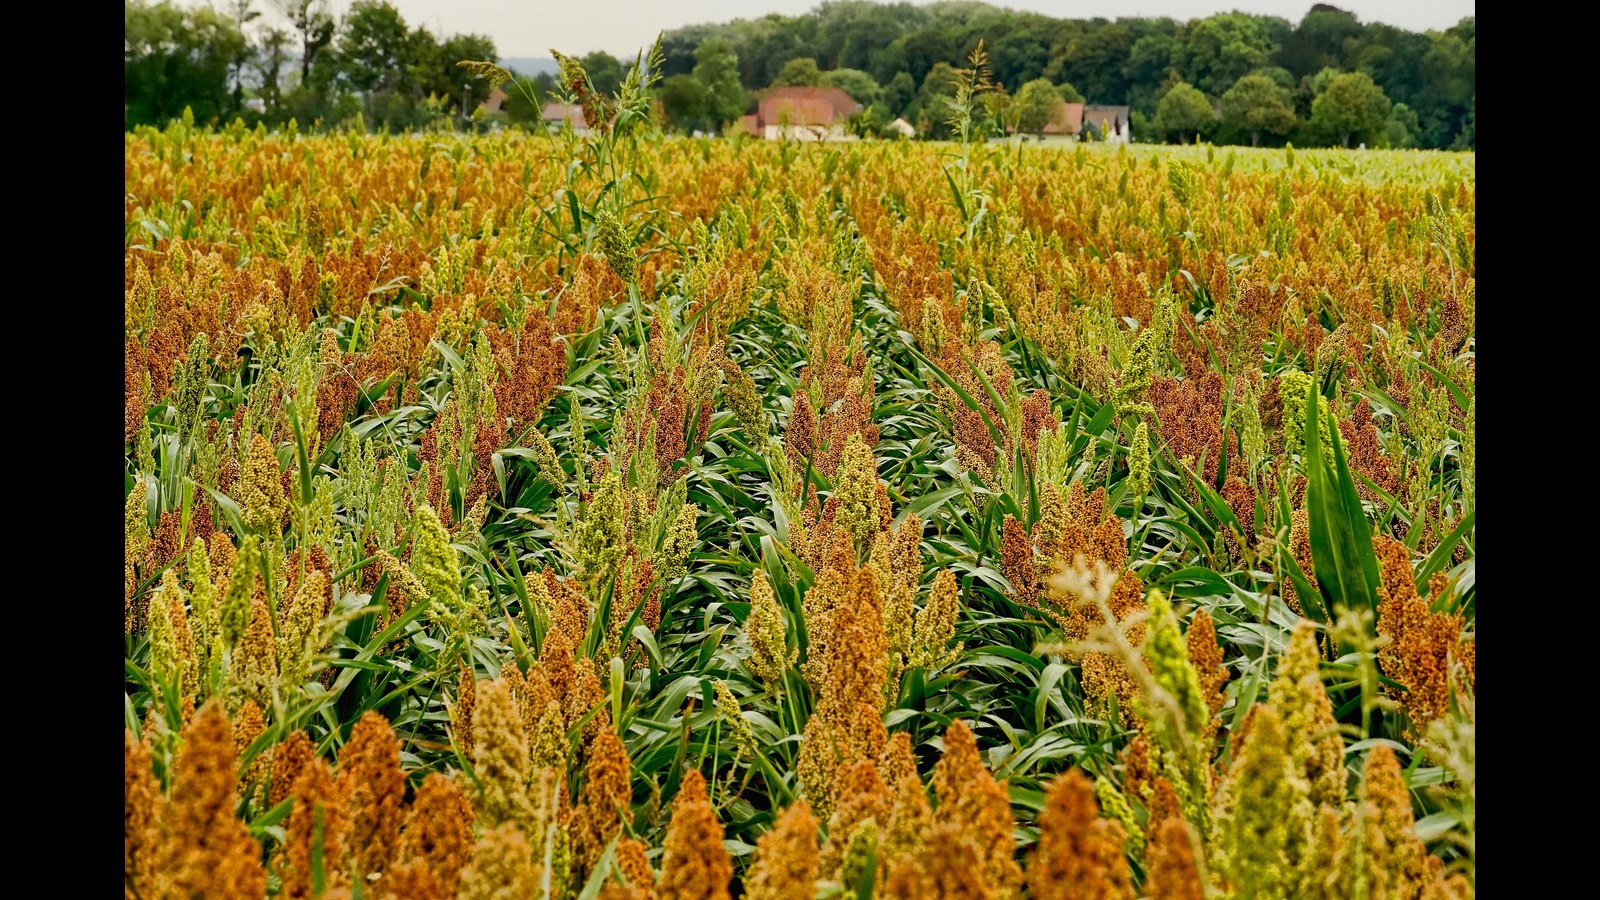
x,y
1255,104
899,92
1183,110
175,58
1320,40
799,72
1069,93
314,23
269,63
242,14
683,102
373,45
861,87
933,101
605,71
1219,49
1038,104
1402,128
1350,105
716,69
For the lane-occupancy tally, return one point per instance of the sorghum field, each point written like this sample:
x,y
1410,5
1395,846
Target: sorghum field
x,y
629,517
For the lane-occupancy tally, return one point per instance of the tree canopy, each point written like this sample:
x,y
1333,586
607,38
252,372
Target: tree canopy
x,y
273,59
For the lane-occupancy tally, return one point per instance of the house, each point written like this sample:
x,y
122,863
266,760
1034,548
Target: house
x,y
569,114
901,127
1110,122
1064,125
802,114
497,99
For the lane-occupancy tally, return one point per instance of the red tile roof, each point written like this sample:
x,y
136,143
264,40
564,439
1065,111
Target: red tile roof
x,y
806,106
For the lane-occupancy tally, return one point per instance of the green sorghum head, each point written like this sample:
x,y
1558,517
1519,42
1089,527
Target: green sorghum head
x,y
234,611
434,560
1139,462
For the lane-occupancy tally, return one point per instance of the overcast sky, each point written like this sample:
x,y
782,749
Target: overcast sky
x,y
621,27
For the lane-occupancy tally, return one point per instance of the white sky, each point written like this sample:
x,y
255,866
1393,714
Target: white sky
x,y
621,27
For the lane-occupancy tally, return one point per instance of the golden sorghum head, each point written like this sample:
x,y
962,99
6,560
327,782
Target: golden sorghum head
x,y
770,655
208,852
235,607
261,495
785,867
1079,854
739,389
254,665
860,796
856,491
299,631
951,869
972,801
910,822
172,647
142,804
1255,815
681,537
502,867
936,624
500,754
1383,790
738,730
897,761
695,865
290,757
438,831
435,560
607,803
374,788
1316,749
1171,872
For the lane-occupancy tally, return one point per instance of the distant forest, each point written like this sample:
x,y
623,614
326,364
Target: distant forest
x,y
1228,78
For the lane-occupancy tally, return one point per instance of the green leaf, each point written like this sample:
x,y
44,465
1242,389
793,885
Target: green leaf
x,y
1341,542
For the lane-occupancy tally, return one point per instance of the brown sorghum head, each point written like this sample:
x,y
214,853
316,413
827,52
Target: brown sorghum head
x,y
142,804
290,756
1171,872
209,852
695,866
374,788
785,867
607,800
1079,854
318,812
438,832
978,806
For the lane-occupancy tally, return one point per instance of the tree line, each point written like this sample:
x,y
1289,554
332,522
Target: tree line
x,y
1329,79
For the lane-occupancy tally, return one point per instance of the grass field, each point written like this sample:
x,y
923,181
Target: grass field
x,y
642,517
